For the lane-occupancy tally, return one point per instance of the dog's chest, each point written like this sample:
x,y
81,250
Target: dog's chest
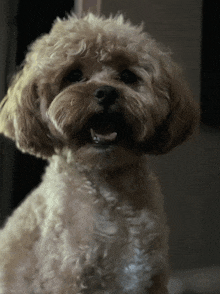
x,y
98,239
118,253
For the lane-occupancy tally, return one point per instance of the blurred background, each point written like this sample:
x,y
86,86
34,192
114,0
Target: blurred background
x,y
190,174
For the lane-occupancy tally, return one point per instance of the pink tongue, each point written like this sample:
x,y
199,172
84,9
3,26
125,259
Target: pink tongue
x,y
103,137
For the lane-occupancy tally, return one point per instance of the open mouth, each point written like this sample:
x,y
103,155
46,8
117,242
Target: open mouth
x,y
106,129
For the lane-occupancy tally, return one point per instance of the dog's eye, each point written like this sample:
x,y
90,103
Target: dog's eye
x,y
74,76
128,77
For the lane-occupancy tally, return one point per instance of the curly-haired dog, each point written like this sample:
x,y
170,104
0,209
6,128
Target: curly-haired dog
x,y
94,96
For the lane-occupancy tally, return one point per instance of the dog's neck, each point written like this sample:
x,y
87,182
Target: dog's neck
x,y
113,185
121,184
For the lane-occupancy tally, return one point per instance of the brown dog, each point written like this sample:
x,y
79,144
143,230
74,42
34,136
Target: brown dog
x,y
94,96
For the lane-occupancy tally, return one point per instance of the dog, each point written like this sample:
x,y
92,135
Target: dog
x,y
94,97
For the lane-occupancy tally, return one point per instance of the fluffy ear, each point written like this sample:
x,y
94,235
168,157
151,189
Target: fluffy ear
x,y
20,117
183,117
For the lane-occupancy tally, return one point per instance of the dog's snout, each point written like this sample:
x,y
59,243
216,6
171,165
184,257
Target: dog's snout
x,y
106,95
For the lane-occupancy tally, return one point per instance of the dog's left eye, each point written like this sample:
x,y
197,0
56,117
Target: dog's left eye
x,y
128,77
74,76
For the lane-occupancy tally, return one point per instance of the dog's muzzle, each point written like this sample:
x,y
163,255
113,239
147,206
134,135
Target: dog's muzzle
x,y
104,126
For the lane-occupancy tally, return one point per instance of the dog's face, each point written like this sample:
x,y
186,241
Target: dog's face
x,y
100,88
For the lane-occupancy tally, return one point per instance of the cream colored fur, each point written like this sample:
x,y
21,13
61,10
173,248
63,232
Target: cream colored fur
x,y
96,223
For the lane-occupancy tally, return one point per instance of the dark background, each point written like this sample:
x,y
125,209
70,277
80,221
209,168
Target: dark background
x,y
210,61
33,19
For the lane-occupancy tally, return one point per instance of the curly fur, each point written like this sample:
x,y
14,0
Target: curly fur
x,y
96,222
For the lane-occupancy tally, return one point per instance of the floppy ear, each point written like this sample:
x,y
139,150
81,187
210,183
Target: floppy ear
x,y
20,117
183,117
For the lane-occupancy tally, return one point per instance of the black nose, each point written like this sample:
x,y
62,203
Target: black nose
x,y
106,95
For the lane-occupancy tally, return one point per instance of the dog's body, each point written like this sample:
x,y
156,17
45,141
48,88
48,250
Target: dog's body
x,y
107,233
95,95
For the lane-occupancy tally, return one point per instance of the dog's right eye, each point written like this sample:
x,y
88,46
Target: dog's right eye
x,y
74,76
128,77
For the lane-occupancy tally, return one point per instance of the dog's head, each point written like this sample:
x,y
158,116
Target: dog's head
x,y
101,88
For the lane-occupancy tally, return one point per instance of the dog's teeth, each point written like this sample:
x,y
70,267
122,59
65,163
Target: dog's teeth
x,y
95,138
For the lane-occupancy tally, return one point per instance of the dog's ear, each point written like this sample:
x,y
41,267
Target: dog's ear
x,y
20,118
183,117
